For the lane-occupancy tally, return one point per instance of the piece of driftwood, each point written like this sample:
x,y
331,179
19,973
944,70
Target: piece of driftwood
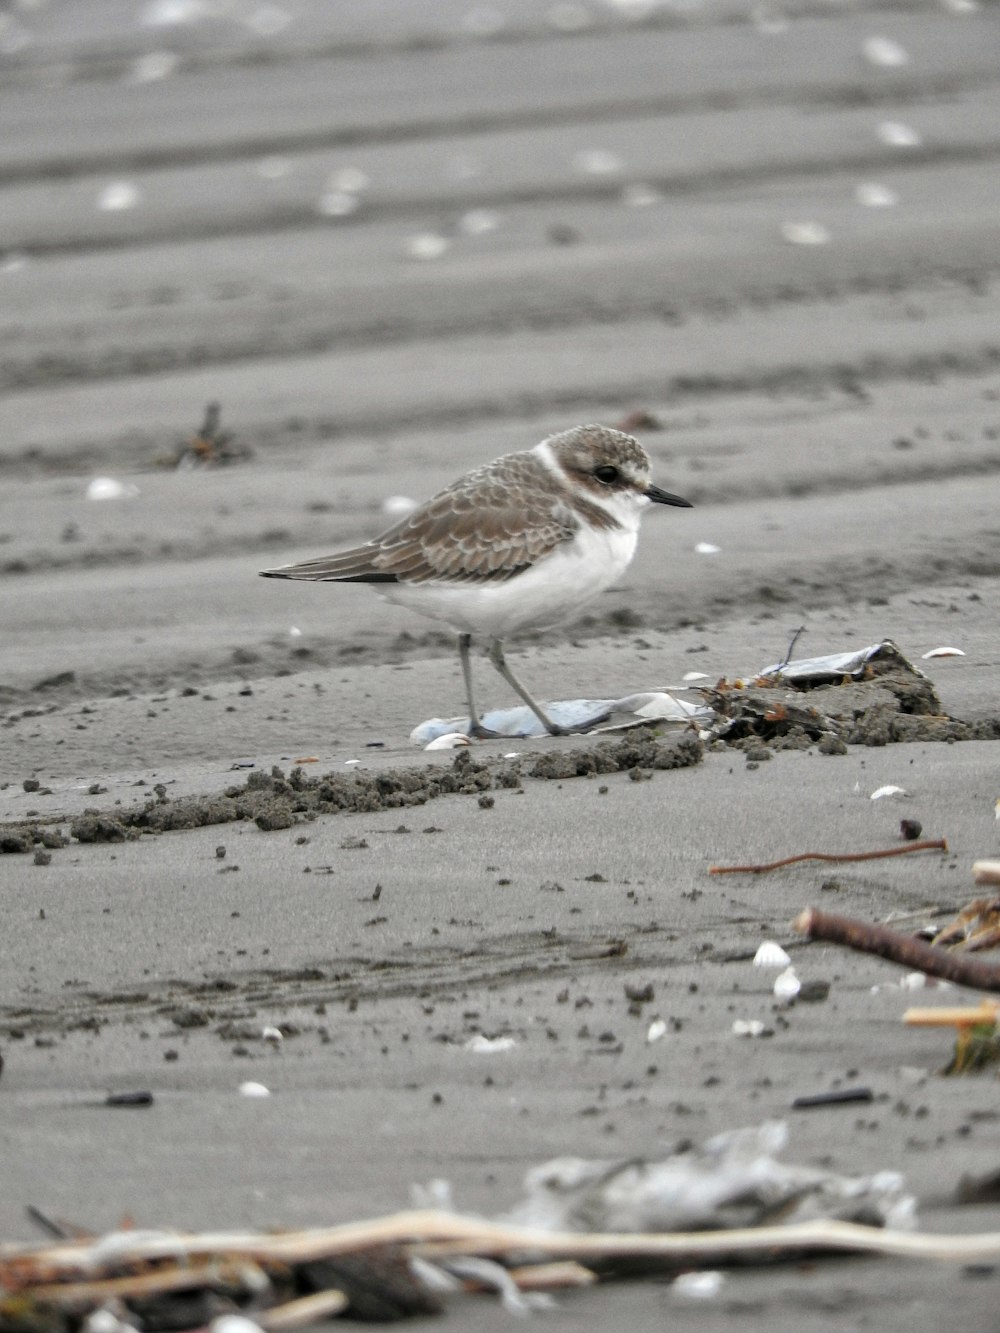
x,y
867,937
430,1233
953,1016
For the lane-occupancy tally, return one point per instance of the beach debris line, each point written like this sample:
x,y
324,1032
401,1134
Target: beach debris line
x,y
932,844
580,1221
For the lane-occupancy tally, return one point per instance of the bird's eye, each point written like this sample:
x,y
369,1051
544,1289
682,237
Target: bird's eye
x,y
606,473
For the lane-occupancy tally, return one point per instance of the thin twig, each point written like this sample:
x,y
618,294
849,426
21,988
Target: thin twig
x,y
909,952
935,844
304,1310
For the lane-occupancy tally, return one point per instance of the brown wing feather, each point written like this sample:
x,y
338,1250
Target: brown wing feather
x,y
492,523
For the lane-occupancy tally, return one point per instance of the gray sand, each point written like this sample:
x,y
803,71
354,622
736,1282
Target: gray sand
x,y
830,408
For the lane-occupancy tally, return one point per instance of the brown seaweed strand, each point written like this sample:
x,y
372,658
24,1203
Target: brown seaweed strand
x,y
934,844
909,952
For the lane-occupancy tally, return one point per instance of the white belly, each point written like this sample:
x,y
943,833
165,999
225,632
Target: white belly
x,y
553,590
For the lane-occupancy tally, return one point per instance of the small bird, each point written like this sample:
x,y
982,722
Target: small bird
x,y
518,544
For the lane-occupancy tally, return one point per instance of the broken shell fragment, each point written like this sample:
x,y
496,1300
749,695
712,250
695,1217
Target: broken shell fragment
x,y
451,740
787,985
748,1027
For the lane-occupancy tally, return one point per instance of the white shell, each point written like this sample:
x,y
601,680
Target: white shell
x,y
251,1089
707,548
110,488
690,676
338,203
271,1033
943,652
703,1285
427,245
883,51
787,985
656,1030
889,790
771,954
806,233
873,195
451,740
478,222
118,196
597,162
747,1027
233,1323
897,135
397,506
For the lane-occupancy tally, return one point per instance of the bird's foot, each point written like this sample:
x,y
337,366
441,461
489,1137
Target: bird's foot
x,y
477,732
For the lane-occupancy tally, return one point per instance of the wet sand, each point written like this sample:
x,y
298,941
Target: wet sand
x,y
831,408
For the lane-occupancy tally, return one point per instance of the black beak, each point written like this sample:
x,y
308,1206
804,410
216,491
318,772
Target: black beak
x,y
665,498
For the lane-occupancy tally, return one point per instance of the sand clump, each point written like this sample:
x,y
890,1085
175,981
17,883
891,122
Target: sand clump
x,y
277,800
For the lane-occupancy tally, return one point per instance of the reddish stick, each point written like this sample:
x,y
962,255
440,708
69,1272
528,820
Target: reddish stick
x,y
937,845
867,937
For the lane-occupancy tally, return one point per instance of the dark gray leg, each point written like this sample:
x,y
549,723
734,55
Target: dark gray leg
x,y
476,728
500,662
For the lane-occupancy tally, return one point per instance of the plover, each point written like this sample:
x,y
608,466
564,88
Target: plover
x,y
518,544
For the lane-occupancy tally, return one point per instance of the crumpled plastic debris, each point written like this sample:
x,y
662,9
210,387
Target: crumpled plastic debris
x,y
591,715
733,1180
832,667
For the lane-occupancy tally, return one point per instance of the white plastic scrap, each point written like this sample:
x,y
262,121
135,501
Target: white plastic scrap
x,y
577,714
833,665
733,1180
771,954
656,1031
251,1089
707,548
